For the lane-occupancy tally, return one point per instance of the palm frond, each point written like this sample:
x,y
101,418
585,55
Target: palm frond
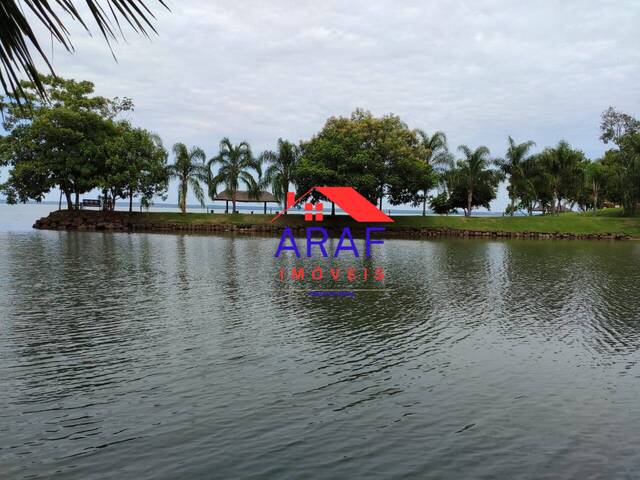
x,y
196,153
173,171
253,187
465,150
226,145
17,34
268,156
179,150
271,172
197,190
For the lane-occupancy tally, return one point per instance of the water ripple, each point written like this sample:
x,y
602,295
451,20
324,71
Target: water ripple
x,y
168,356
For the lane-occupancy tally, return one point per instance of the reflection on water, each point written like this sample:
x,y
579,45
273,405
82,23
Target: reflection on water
x,y
168,356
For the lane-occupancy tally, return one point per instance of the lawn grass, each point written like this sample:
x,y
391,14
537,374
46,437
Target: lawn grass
x,y
574,223
608,221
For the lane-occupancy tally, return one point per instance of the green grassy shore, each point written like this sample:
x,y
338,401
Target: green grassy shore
x,y
606,222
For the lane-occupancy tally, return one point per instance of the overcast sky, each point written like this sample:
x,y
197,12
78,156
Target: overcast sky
x,y
479,70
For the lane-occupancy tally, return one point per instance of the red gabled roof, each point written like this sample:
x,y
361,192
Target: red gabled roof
x,y
349,200
358,207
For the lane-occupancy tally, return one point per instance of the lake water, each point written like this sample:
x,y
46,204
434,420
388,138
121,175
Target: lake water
x,y
154,356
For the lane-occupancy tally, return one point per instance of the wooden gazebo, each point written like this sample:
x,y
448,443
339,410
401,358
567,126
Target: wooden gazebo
x,y
246,197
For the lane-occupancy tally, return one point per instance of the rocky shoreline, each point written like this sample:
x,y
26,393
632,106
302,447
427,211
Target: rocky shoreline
x,y
91,220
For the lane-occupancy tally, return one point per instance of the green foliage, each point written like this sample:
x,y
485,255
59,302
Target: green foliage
x,y
624,166
468,183
436,155
595,176
377,156
235,165
72,141
472,182
62,142
434,147
281,165
615,126
189,169
136,165
441,205
512,167
560,167
623,162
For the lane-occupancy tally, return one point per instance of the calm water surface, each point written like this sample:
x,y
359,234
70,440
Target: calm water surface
x,y
167,356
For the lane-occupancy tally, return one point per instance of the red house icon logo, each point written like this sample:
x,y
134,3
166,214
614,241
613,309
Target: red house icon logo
x,y
347,198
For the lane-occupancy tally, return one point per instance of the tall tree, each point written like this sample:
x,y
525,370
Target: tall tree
x,y
512,167
281,165
474,176
624,161
59,142
378,156
136,165
561,166
189,169
596,178
614,125
534,190
235,165
435,149
436,154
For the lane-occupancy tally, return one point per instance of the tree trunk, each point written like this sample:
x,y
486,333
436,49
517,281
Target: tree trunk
x,y
233,202
183,197
67,195
77,200
553,201
469,200
333,209
130,200
513,205
424,206
595,201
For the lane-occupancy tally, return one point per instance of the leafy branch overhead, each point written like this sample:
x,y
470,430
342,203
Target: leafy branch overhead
x,y
17,34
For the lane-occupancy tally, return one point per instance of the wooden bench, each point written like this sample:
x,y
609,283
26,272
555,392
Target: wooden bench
x,y
91,203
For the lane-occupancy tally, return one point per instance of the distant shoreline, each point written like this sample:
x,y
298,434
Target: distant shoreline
x,y
565,226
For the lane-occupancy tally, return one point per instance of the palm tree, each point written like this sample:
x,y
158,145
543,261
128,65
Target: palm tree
x,y
435,146
279,173
560,167
235,162
17,37
436,154
473,172
512,167
189,169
